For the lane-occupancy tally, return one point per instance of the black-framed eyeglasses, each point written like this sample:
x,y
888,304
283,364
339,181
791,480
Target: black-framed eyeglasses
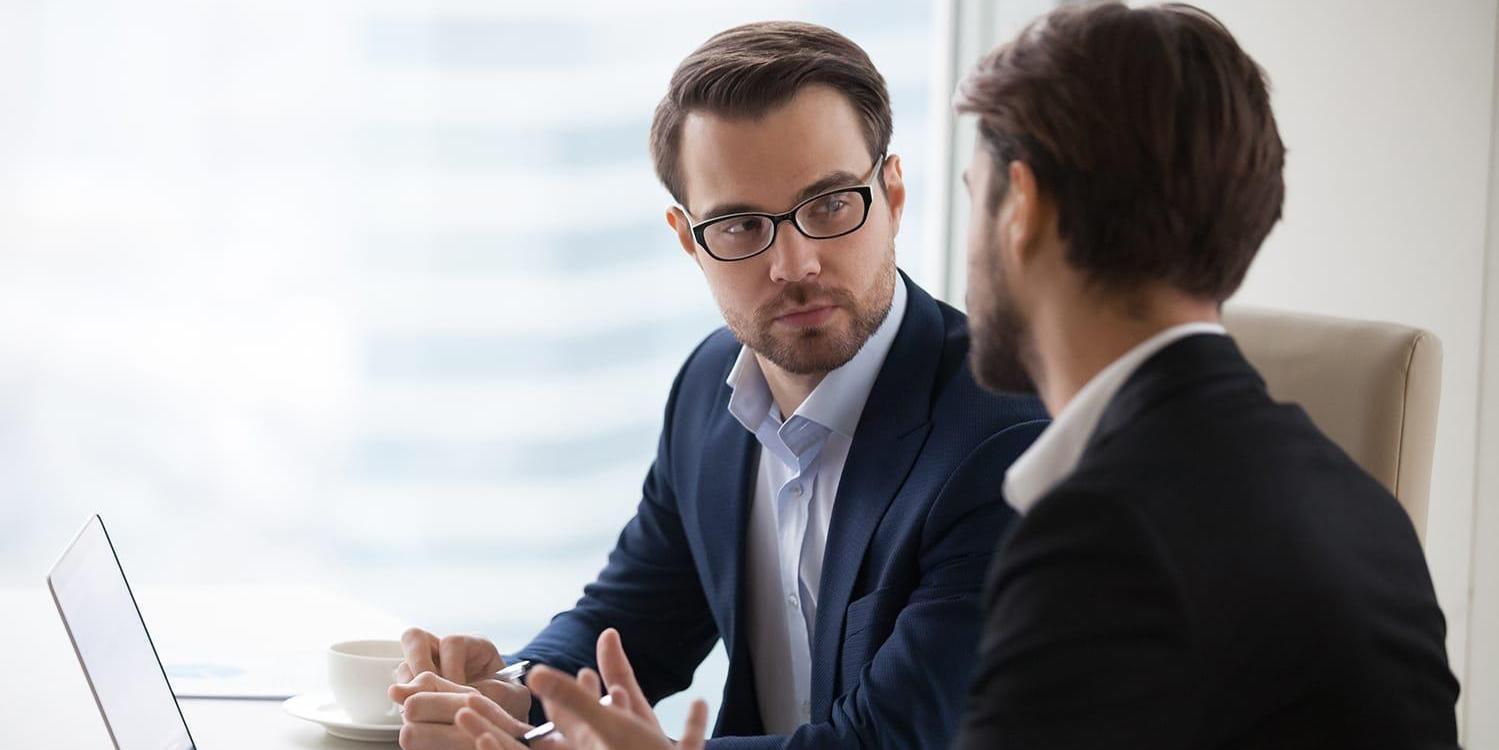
x,y
824,216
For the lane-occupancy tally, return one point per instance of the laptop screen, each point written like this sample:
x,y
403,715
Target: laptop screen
x,y
113,646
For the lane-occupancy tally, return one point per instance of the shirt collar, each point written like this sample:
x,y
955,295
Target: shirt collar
x,y
838,401
1056,452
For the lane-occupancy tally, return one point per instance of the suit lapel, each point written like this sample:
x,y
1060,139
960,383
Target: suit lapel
x,y
725,488
724,493
890,435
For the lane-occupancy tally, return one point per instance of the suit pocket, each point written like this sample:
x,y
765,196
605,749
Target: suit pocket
x,y
866,625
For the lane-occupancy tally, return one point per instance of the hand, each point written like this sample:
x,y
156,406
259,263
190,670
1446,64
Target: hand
x,y
617,673
462,660
572,703
430,705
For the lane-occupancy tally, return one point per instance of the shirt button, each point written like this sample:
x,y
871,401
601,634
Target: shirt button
x,y
796,490
806,710
791,600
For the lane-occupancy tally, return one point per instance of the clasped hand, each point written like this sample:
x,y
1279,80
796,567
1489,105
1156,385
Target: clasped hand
x,y
450,700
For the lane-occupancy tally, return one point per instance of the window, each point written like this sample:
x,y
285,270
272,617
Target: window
x,y
373,295
970,29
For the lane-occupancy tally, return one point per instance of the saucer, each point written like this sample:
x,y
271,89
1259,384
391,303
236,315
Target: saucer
x,y
321,708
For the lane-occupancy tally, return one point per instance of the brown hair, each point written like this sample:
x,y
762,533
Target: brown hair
x,y
1152,132
748,70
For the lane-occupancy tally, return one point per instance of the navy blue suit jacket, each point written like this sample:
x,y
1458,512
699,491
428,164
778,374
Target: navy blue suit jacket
x,y
915,523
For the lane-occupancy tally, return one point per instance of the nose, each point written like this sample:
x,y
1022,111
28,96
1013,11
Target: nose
x,y
793,257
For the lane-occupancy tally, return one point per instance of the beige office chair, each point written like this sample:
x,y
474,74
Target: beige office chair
x,y
1371,387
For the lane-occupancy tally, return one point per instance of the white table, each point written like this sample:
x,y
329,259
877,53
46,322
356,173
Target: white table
x,y
45,701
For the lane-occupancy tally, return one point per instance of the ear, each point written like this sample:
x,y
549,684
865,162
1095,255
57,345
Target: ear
x,y
895,191
1028,213
677,220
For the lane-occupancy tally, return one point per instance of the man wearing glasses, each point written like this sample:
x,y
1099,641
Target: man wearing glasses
x,y
823,498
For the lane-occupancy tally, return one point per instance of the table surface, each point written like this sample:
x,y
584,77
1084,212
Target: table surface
x,y
46,703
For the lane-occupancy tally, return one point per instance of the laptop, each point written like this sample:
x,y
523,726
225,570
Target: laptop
x,y
115,650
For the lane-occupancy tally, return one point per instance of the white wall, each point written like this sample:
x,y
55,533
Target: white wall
x,y
1483,646
1483,619
1387,110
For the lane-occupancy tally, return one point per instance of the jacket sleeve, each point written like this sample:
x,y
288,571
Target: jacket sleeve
x,y
1086,640
910,694
648,590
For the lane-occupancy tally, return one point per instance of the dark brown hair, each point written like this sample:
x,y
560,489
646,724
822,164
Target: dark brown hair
x,y
1152,132
749,70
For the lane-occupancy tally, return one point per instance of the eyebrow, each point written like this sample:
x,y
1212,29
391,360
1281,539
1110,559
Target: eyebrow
x,y
830,181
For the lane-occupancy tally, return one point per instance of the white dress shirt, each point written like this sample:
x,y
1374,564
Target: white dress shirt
x,y
800,463
1056,452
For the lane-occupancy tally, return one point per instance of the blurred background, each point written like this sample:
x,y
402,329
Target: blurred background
x,y
376,296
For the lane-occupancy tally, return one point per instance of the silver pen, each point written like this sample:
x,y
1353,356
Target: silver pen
x,y
511,673
514,672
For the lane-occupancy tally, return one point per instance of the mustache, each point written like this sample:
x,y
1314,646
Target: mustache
x,y
802,294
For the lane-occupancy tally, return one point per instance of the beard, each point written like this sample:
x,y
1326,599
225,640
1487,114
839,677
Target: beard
x,y
999,346
816,349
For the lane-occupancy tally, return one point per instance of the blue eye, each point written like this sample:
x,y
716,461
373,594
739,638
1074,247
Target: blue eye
x,y
830,205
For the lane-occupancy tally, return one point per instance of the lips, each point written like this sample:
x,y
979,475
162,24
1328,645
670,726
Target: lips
x,y
806,316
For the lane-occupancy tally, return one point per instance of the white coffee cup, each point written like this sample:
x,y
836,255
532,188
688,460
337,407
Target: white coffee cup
x,y
360,672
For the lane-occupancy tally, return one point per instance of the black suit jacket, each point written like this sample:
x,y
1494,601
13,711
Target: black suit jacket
x,y
1214,574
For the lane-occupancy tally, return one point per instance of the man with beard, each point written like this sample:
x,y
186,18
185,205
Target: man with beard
x,y
1196,565
823,497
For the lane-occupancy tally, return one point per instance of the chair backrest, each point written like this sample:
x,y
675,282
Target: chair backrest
x,y
1371,387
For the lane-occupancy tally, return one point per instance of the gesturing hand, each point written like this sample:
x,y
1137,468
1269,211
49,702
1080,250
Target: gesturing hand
x,y
573,704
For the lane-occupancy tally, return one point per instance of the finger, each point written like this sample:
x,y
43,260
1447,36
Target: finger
x,y
618,673
476,726
565,698
501,691
610,651
434,737
589,679
403,673
417,646
498,742
483,658
693,735
515,699
425,682
452,658
572,729
498,716
620,698
433,708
